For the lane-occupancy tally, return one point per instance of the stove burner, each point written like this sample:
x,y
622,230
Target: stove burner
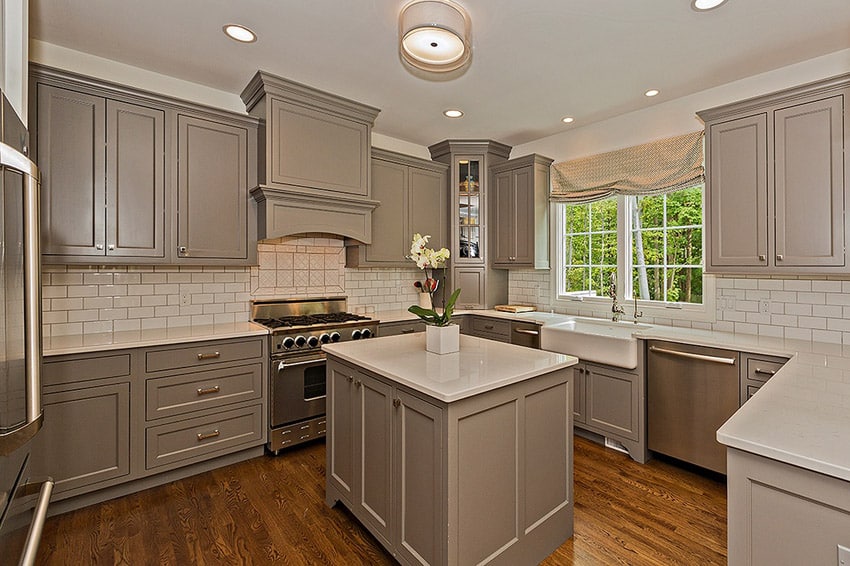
x,y
309,319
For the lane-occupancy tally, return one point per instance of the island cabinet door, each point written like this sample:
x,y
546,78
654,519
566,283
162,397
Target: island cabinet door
x,y
373,453
341,428
420,481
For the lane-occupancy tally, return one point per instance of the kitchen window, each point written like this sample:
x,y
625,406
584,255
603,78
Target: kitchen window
x,y
649,238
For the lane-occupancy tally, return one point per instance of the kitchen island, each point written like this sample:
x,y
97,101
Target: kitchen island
x,y
452,459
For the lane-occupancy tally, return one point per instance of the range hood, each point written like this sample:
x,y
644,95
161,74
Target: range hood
x,y
314,166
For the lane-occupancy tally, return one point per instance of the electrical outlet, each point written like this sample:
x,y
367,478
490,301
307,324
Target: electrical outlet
x,y
764,307
185,299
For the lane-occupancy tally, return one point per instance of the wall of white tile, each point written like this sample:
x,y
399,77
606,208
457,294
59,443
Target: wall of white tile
x,y
797,307
92,299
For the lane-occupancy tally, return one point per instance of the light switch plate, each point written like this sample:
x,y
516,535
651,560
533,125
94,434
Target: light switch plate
x,y
843,555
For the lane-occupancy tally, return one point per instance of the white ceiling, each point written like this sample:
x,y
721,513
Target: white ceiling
x,y
534,61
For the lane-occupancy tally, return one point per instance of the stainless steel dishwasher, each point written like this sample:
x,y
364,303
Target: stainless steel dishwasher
x,y
691,391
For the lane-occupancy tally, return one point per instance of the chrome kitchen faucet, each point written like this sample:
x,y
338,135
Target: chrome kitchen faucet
x,y
617,309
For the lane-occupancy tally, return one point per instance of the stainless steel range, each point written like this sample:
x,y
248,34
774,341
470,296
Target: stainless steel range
x,y
297,368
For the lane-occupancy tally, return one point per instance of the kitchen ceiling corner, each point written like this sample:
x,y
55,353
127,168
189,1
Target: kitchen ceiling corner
x,y
544,56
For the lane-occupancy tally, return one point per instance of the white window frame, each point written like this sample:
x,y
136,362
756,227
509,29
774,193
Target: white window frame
x,y
601,306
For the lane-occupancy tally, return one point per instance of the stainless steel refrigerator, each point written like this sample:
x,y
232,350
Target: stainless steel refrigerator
x,y
23,499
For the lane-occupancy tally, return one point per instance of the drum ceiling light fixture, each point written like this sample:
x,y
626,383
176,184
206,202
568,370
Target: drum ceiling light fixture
x,y
434,35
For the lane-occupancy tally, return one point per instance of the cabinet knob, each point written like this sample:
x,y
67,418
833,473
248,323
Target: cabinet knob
x,y
762,257
349,378
111,247
358,383
778,257
181,250
396,403
99,246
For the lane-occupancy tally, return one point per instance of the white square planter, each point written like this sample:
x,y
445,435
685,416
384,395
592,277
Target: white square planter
x,y
442,339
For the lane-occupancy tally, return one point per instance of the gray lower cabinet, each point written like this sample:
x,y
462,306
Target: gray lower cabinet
x,y
755,370
520,233
490,328
114,417
401,327
414,199
133,177
784,514
611,402
777,182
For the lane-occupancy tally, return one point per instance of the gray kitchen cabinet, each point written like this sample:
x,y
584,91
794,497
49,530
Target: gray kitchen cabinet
x,y
314,166
130,177
414,199
611,402
401,327
85,441
471,193
520,214
490,328
98,204
777,182
784,514
755,370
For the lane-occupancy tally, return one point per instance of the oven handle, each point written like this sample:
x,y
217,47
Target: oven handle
x,y
283,364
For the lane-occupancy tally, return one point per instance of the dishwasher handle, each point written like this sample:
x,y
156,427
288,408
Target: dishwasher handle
x,y
692,356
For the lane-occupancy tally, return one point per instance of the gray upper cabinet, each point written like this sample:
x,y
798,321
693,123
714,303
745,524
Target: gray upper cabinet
x,y
520,215
414,198
130,177
776,182
212,189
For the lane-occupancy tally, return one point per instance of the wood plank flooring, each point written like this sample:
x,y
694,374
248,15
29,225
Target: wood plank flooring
x,y
272,511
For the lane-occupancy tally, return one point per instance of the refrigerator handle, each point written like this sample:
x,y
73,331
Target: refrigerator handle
x,y
11,158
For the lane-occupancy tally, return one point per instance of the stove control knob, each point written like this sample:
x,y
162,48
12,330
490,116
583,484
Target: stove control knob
x,y
288,342
366,333
355,334
335,336
324,338
300,341
313,341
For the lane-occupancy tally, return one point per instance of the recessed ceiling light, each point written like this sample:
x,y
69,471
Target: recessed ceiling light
x,y
452,113
652,92
239,33
567,119
704,5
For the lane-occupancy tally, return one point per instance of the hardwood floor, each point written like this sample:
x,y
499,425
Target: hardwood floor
x,y
271,510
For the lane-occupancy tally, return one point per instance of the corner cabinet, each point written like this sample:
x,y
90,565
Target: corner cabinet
x,y
520,214
414,199
470,161
130,177
777,182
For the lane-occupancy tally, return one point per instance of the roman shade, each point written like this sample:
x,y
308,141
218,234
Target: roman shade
x,y
651,168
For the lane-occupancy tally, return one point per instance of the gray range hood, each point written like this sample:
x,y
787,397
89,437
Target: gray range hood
x,y
314,160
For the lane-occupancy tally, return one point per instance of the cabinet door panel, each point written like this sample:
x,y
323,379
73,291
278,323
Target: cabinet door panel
x,y
612,401
523,229
212,186
504,230
96,448
341,423
809,184
71,137
135,180
737,200
390,240
421,491
374,474
579,415
428,207
471,283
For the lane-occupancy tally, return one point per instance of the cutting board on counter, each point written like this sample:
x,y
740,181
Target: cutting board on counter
x,y
515,308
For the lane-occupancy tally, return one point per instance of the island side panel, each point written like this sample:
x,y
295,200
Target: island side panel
x,y
510,461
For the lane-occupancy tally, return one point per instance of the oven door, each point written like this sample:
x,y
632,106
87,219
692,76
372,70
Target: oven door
x,y
297,388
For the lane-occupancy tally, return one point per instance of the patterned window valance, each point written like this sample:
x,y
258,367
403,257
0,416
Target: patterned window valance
x,y
651,168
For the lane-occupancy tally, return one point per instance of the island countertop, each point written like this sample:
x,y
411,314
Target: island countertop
x,y
480,365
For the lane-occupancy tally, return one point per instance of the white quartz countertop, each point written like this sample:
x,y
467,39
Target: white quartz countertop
x,y
480,365
83,343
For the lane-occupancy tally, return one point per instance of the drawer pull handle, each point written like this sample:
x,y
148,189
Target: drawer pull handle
x,y
488,327
207,435
305,427
765,371
209,356
408,330
208,390
305,437
321,423
524,331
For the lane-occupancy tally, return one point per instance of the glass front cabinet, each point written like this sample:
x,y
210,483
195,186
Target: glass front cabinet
x,y
481,286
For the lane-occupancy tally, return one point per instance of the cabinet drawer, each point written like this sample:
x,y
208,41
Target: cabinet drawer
x,y
202,354
751,390
491,326
761,368
404,327
166,396
84,369
184,440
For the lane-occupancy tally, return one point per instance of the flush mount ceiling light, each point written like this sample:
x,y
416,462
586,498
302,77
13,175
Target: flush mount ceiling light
x,y
452,113
239,33
652,92
434,35
567,119
704,5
